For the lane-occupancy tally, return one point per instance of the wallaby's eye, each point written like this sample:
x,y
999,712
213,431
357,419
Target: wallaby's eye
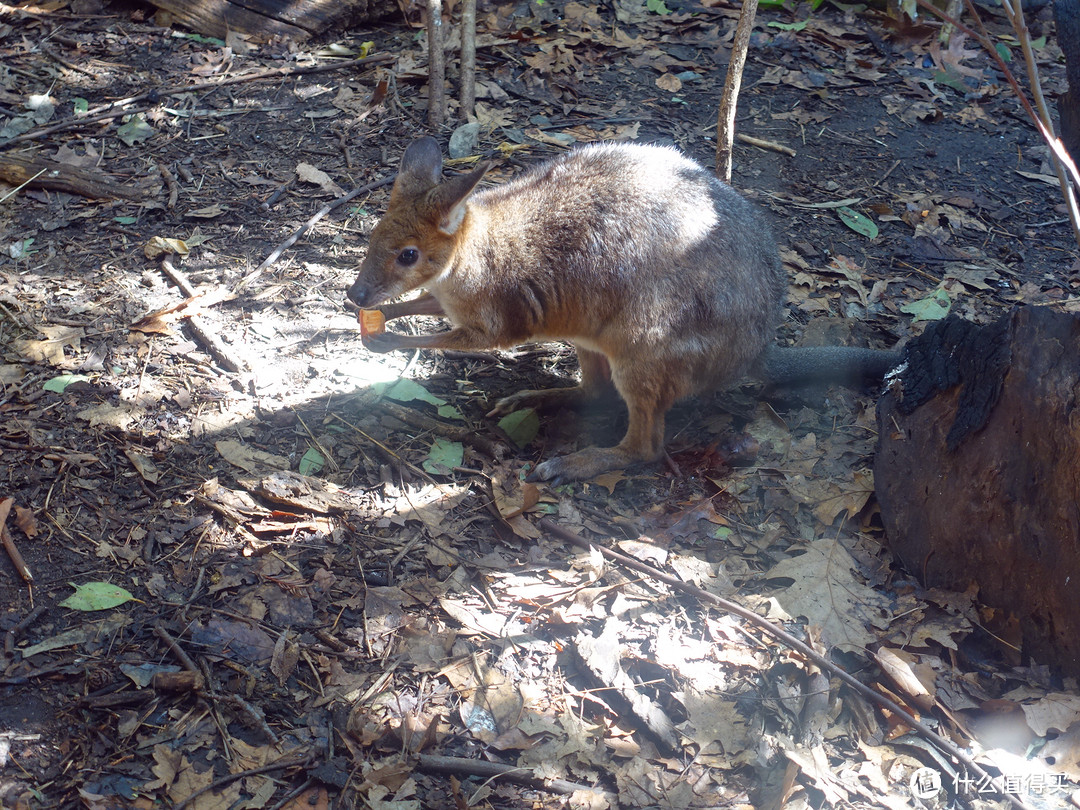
x,y
408,257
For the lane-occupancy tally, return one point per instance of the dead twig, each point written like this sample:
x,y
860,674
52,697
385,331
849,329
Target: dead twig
x,y
49,52
454,432
763,144
275,254
468,58
786,638
175,648
205,335
725,119
170,184
229,778
13,634
429,763
391,456
9,543
436,65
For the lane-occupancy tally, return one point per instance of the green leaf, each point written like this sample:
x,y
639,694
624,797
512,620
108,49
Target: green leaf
x,y
22,249
443,456
125,220
449,412
950,78
135,131
407,391
311,462
932,308
58,384
82,106
411,390
218,43
1039,44
96,596
857,222
795,26
521,426
657,7
1003,51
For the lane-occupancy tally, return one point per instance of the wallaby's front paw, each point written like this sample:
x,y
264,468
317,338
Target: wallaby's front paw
x,y
383,342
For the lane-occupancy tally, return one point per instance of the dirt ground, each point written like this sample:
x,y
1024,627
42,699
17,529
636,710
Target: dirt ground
x,y
329,580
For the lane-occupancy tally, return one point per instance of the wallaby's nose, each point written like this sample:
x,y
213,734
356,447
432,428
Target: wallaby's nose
x,y
359,293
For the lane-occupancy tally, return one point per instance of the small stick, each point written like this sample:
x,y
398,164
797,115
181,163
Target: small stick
x,y
49,52
429,763
763,144
9,543
454,432
13,634
786,638
175,648
210,341
254,715
275,254
468,58
171,184
436,65
725,119
229,778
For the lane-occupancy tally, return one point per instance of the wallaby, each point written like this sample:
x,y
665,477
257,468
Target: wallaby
x,y
665,280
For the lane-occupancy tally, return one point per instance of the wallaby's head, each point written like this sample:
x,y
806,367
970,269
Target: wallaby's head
x,y
415,240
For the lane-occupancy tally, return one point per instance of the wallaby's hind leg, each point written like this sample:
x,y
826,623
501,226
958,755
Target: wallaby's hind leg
x,y
648,398
595,381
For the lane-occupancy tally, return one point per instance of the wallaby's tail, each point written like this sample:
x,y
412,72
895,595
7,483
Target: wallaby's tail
x,y
787,365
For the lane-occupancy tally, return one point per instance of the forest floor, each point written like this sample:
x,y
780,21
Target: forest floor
x,y
302,583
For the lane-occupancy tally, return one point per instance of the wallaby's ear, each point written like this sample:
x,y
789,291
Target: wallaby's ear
x,y
421,167
448,200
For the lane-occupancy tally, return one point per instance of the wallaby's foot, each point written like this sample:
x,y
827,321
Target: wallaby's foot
x,y
541,400
584,464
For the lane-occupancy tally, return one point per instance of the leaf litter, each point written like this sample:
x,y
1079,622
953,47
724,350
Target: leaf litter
x,y
325,610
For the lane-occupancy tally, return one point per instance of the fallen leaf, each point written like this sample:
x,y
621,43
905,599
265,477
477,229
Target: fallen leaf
x,y
93,596
669,82
51,349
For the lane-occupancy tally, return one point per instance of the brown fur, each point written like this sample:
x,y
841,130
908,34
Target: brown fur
x,y
640,258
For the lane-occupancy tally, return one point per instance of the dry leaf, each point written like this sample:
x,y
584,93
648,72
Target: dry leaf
x,y
669,82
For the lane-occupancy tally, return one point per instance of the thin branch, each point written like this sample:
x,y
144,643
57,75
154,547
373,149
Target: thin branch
x,y
725,119
468,58
436,65
275,254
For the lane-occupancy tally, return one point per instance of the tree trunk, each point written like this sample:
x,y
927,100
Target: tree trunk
x,y
978,470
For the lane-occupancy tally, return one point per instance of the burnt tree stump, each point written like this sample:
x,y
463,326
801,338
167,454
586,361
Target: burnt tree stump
x,y
978,470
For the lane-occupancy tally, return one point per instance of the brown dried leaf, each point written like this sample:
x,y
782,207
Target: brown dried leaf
x,y
25,520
